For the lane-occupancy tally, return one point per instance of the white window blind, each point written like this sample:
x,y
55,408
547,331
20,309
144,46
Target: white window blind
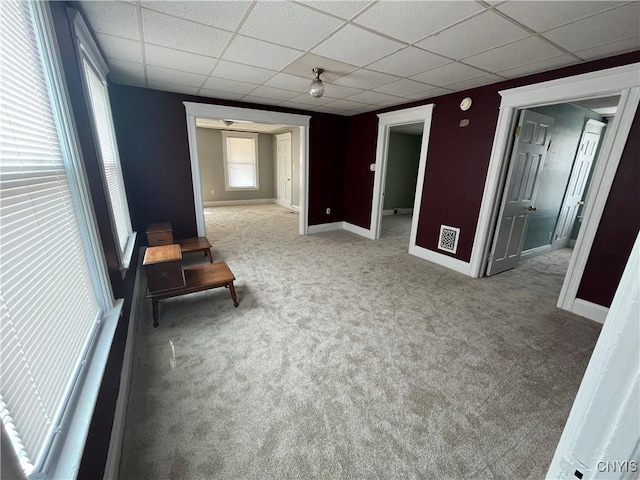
x,y
241,160
106,139
48,308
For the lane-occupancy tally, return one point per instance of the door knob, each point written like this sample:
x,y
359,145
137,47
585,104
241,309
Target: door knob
x,y
532,208
581,202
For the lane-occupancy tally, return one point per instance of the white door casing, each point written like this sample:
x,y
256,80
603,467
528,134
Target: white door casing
x,y
205,110
574,196
623,81
283,153
533,134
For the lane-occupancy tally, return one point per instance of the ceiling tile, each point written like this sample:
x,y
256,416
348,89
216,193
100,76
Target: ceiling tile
x,y
261,100
274,93
172,32
536,67
453,72
260,54
205,92
343,105
365,79
356,46
411,21
475,82
120,48
240,72
303,67
289,82
541,15
178,60
474,35
373,98
434,92
114,18
342,8
338,91
123,68
403,88
226,85
525,51
166,75
171,87
219,14
288,24
621,46
408,61
614,25
306,99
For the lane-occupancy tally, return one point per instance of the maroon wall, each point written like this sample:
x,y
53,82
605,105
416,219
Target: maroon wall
x,y
97,443
457,159
618,227
154,150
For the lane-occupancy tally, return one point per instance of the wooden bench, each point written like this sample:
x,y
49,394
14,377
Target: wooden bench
x,y
197,279
196,244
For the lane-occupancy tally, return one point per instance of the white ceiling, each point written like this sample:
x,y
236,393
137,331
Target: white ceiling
x,y
375,53
239,125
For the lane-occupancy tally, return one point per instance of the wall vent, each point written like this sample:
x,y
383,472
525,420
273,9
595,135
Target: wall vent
x,y
448,240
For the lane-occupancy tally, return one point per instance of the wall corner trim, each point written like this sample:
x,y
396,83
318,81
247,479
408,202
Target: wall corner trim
x,y
440,259
363,232
325,227
590,310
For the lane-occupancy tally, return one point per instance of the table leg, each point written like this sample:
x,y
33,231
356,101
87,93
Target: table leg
x,y
154,303
232,290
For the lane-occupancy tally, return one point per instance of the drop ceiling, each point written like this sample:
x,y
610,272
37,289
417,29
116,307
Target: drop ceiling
x,y
241,126
375,54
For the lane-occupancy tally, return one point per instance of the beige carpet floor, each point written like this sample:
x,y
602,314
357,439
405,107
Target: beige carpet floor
x,y
350,359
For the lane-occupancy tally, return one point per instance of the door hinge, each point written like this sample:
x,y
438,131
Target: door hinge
x,y
517,131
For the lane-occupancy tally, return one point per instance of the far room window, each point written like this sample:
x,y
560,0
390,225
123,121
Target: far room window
x,y
240,154
95,71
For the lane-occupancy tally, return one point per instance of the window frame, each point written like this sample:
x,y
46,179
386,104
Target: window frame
x,y
226,134
66,447
88,50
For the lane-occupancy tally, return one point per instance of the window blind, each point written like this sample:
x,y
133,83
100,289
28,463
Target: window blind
x,y
241,162
104,130
49,313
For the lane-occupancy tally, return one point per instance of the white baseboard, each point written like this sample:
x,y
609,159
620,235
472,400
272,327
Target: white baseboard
x,y
363,232
325,227
222,203
397,211
534,252
295,208
590,310
112,464
440,259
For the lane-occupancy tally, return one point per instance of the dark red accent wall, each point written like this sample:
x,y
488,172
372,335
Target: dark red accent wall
x,y
154,151
618,228
97,444
457,161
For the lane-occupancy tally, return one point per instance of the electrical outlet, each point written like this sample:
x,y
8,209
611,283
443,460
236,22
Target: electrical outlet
x,y
328,211
213,192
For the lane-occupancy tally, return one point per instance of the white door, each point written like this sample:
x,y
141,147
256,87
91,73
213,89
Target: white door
x,y
284,169
529,151
574,196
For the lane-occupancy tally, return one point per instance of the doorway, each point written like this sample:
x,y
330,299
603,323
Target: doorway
x,y
285,172
615,81
240,115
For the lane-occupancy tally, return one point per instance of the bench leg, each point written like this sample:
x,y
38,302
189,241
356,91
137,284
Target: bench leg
x,y
154,303
207,253
232,290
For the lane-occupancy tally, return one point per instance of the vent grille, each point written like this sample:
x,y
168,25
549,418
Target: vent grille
x,y
448,240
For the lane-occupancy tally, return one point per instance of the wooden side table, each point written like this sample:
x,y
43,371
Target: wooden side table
x,y
196,244
159,234
163,267
197,279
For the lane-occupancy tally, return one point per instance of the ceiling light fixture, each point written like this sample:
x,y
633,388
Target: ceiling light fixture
x,y
316,89
228,123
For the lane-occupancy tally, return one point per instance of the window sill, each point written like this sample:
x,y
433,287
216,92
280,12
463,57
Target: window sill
x,y
67,459
127,255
